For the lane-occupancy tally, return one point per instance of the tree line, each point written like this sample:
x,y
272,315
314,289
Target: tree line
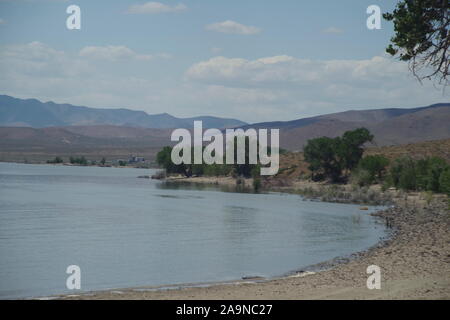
x,y
341,159
337,160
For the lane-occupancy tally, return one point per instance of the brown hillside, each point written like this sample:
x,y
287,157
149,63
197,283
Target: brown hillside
x,y
293,166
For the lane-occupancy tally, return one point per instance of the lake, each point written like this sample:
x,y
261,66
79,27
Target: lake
x,y
128,232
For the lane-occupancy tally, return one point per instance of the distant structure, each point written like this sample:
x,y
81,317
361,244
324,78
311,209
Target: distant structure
x,y
135,159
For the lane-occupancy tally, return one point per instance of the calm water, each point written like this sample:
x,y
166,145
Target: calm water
x,y
126,232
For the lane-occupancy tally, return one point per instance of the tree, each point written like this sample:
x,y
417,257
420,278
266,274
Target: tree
x,y
164,159
321,155
444,181
80,161
403,173
350,147
328,157
422,37
434,168
375,165
56,160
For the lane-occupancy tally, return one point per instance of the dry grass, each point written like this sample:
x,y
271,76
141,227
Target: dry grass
x,y
294,167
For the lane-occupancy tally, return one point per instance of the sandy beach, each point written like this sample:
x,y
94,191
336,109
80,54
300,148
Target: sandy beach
x,y
414,262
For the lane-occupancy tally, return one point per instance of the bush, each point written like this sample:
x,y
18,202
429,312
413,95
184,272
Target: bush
x,y
80,161
56,160
256,178
164,159
361,177
407,179
444,182
329,157
402,173
375,165
436,166
215,170
122,163
429,174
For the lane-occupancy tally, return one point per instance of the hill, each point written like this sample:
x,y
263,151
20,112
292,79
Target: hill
x,y
293,166
34,113
389,126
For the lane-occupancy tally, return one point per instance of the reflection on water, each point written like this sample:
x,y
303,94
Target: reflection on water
x,y
170,196
185,185
126,232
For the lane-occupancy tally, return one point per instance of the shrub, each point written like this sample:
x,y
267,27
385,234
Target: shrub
x,y
436,166
444,182
402,173
375,165
81,161
407,179
329,157
256,178
56,160
361,177
429,174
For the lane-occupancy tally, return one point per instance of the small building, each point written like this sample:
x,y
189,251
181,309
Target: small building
x,y
135,159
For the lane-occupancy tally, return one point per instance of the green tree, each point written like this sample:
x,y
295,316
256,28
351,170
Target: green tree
x,y
435,169
444,182
361,177
321,155
56,160
428,172
328,157
375,165
350,148
403,173
164,159
422,37
82,161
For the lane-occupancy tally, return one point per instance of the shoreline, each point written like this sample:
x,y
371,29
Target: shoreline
x,y
66,164
414,262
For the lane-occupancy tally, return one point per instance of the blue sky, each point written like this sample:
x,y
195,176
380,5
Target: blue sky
x,y
253,60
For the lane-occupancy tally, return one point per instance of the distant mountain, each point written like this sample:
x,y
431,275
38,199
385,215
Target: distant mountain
x,y
66,129
81,138
34,113
389,126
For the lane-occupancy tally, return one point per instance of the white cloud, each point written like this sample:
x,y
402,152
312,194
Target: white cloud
x,y
2,21
278,87
309,87
286,70
113,53
333,30
155,7
232,27
39,71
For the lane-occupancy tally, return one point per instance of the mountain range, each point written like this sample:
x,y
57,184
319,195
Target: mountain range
x,y
34,113
30,127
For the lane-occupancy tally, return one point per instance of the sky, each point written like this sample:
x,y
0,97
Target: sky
x,y
254,60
